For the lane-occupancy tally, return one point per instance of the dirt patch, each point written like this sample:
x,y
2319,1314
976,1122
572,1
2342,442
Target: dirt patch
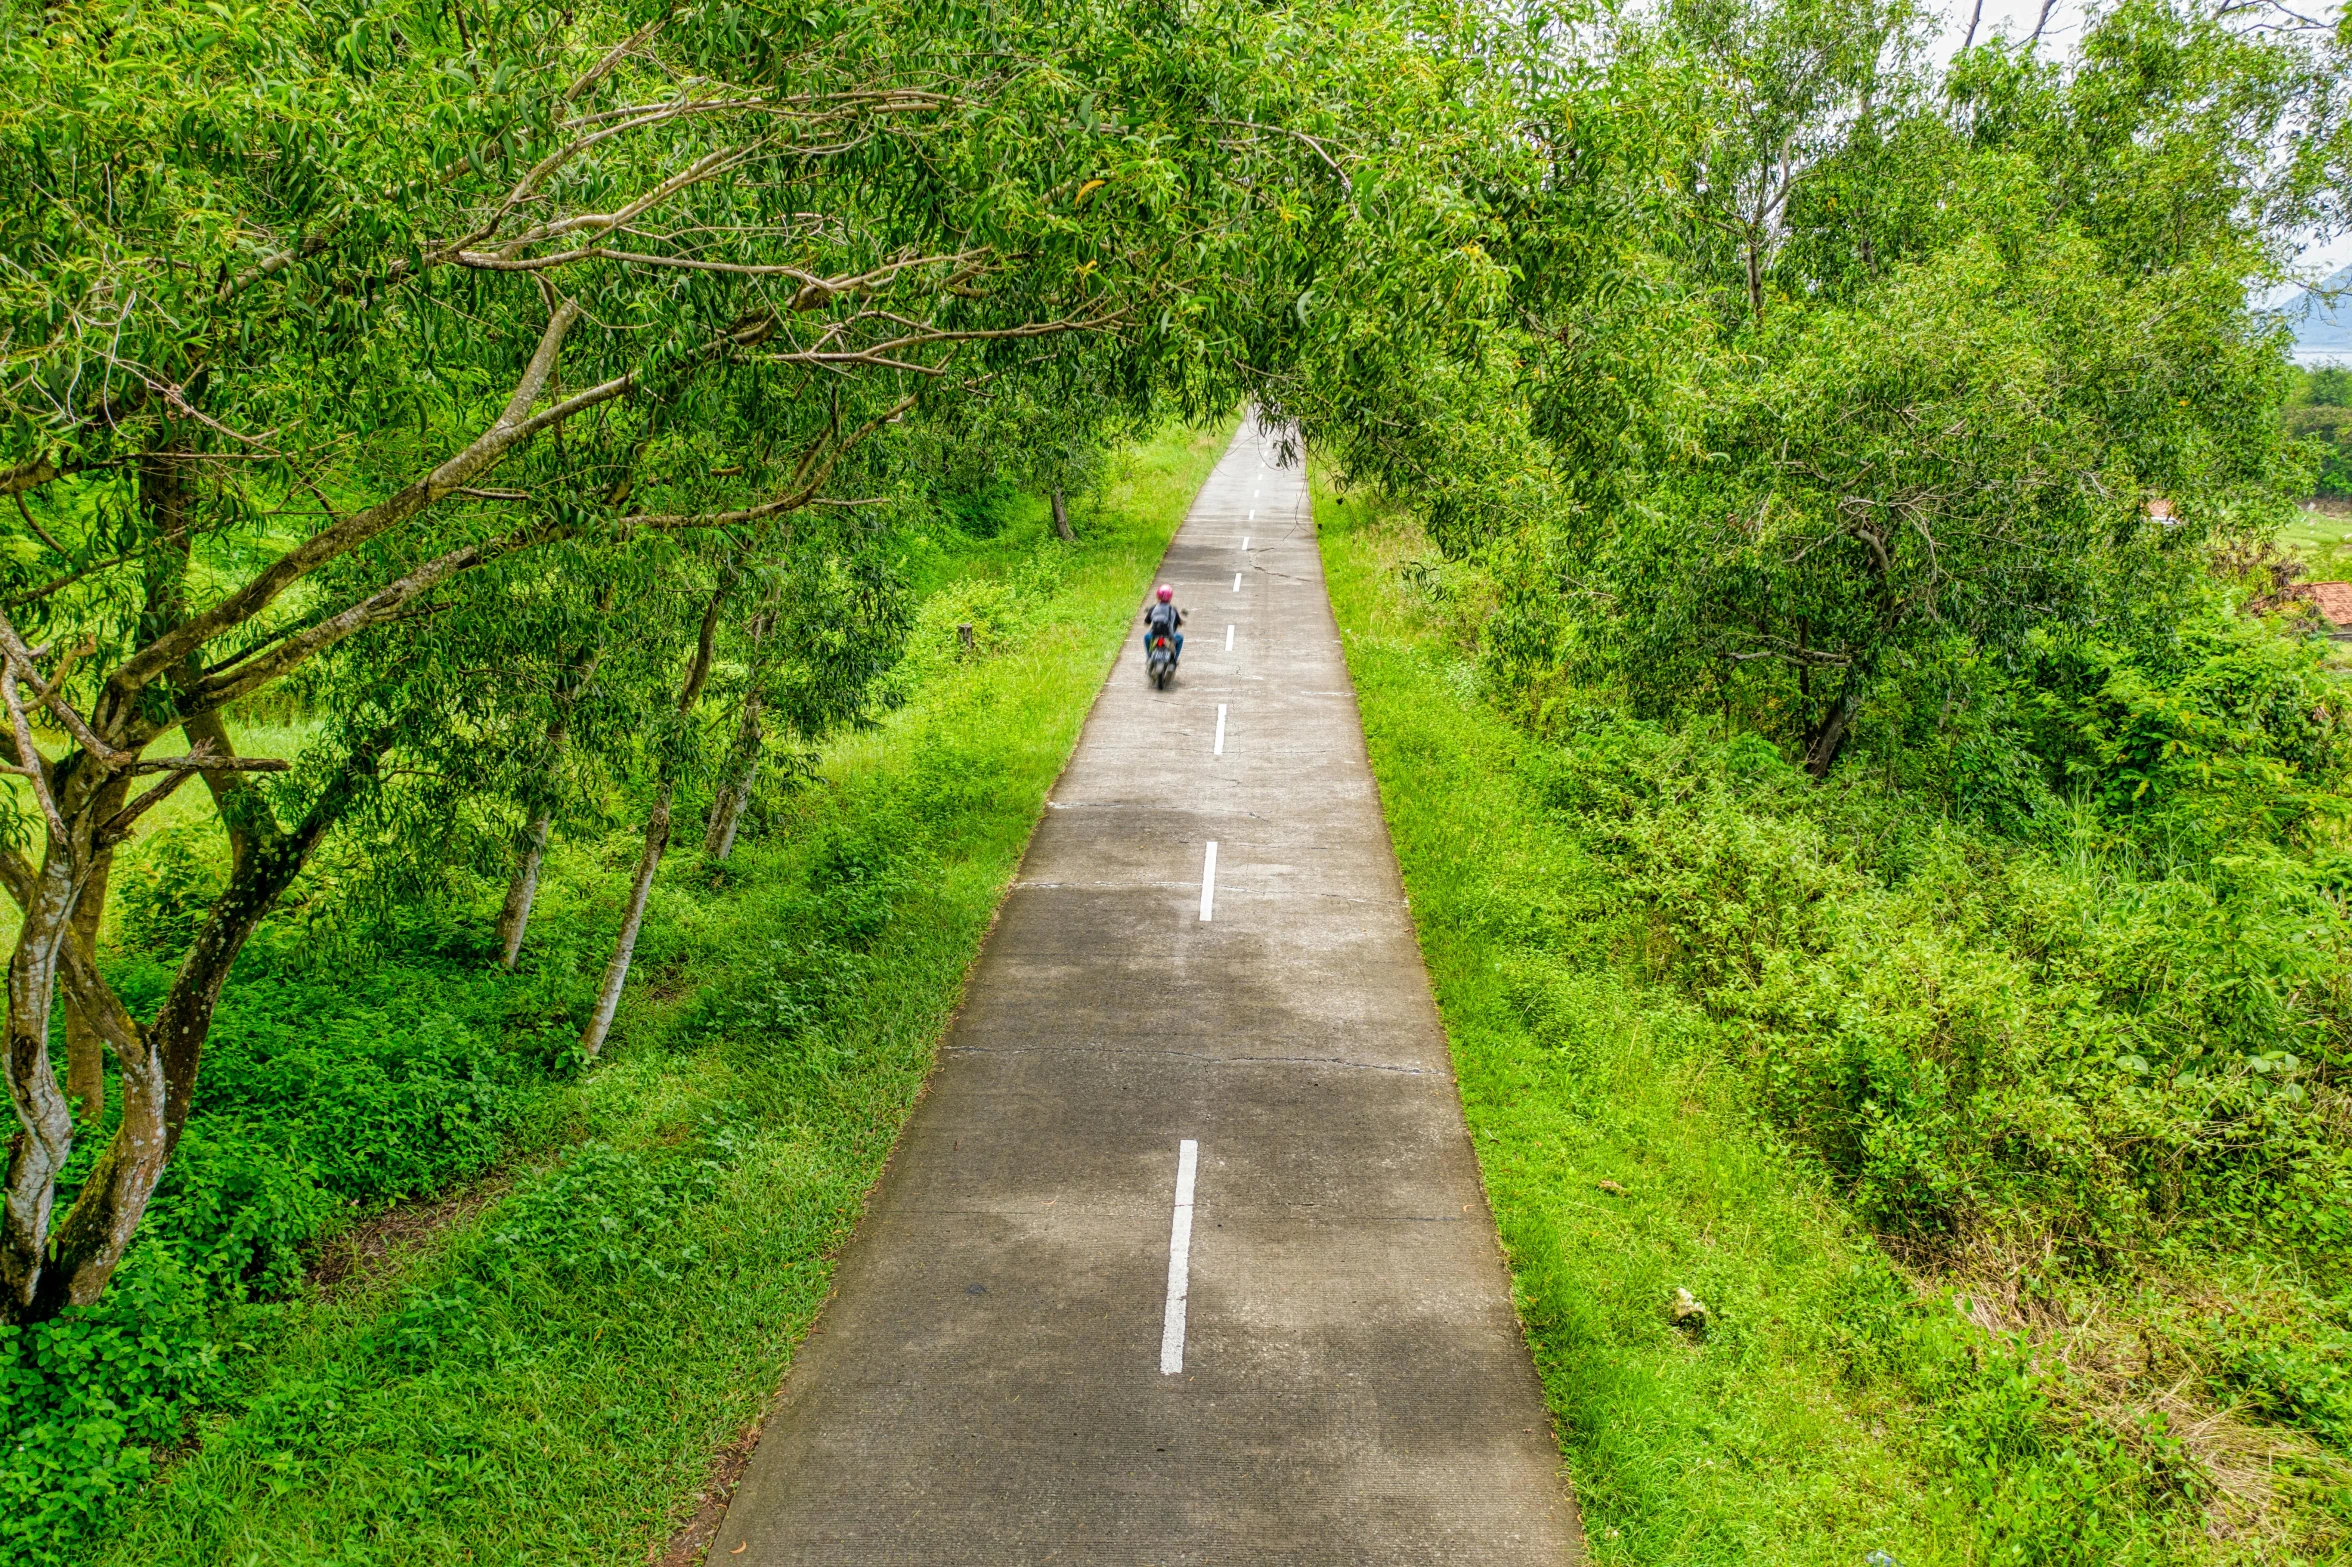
x,y
669,982
350,1261
2121,1371
691,1541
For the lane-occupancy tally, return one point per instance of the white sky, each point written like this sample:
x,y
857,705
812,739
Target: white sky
x,y
2016,18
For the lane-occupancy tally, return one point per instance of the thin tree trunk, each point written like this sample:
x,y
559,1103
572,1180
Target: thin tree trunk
x,y
657,835
1061,516
616,973
515,917
85,1044
718,840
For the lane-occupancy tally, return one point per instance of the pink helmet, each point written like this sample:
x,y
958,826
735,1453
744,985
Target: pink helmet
x,y
1166,593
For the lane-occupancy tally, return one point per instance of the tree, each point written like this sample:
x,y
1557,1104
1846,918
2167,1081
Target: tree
x,y
1950,459
1974,336
831,621
1792,83
673,748
286,291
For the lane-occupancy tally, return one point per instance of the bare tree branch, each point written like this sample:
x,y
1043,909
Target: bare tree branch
x,y
619,52
511,427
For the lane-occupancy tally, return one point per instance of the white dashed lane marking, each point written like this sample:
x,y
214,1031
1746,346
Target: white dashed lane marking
x,y
1179,1257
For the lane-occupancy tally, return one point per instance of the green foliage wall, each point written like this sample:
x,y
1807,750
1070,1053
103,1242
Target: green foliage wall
x,y
2321,412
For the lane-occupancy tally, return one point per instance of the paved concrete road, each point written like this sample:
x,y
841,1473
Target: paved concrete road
x,y
988,1385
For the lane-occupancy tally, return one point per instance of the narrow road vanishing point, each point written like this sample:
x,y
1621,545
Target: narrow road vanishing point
x,y
1183,1258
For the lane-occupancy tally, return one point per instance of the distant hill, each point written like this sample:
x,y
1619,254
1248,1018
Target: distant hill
x,y
2323,326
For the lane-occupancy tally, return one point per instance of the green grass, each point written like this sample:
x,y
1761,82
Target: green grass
x,y
2321,536
546,1379
1756,1444
1703,1013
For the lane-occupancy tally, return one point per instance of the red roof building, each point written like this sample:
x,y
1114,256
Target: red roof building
x,y
2333,600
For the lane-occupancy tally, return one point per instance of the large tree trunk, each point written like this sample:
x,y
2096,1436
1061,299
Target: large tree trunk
x,y
71,1265
1829,733
718,840
159,1074
85,1042
95,1232
1061,517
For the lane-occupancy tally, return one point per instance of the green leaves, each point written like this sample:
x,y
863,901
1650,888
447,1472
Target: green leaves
x,y
1912,381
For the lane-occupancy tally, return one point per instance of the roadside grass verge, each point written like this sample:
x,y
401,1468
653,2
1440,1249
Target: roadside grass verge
x,y
546,1378
1836,1399
1621,1164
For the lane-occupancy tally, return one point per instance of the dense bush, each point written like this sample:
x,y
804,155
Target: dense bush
x,y
1996,1082
1975,1032
2320,415
981,513
2330,430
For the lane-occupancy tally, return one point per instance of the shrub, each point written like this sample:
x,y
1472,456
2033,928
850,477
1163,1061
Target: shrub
x,y
382,1089
2330,430
2044,1489
2296,1378
983,512
237,1212
84,1400
2230,729
1968,1030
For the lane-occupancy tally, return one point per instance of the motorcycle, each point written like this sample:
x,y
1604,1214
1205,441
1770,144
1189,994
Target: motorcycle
x,y
1160,660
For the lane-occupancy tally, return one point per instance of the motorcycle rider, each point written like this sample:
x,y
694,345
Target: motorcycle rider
x,y
1163,615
